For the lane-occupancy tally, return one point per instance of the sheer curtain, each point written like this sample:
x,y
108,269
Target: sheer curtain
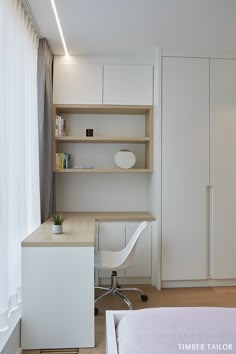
x,y
19,170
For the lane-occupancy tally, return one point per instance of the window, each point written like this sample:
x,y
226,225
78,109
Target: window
x,y
19,168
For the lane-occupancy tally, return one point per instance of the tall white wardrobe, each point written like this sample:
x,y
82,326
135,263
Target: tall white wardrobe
x,y
198,168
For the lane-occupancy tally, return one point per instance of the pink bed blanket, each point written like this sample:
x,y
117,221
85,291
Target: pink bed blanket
x,y
177,330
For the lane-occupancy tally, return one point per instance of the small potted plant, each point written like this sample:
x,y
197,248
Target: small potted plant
x,y
57,223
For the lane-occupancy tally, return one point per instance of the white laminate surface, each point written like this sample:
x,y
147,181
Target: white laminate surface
x,y
185,167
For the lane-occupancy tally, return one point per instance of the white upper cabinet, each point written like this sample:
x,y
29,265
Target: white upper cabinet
x,y
77,83
82,82
223,167
185,167
128,84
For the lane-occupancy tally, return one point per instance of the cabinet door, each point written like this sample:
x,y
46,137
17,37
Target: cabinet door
x,y
111,238
223,168
57,282
77,83
142,265
128,84
185,167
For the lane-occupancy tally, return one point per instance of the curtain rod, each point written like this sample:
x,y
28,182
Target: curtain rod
x,y
27,7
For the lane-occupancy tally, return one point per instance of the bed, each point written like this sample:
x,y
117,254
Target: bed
x,y
172,330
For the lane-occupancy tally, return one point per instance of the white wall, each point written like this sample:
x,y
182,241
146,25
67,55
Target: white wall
x,y
127,59
197,53
102,191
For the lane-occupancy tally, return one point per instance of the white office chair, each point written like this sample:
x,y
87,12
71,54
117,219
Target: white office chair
x,y
119,261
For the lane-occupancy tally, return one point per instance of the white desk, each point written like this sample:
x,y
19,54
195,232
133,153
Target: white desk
x,y
58,286
58,281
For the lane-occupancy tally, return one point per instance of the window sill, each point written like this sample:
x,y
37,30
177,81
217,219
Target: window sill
x,y
5,335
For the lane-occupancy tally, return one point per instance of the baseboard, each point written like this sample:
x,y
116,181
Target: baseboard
x,y
197,283
60,351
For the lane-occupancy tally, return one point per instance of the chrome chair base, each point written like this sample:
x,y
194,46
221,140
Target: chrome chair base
x,y
116,290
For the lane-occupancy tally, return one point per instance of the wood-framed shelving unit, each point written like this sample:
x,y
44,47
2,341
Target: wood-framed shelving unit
x,y
147,139
77,139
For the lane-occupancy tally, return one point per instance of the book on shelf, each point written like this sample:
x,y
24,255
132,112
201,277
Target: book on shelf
x,y
60,129
63,160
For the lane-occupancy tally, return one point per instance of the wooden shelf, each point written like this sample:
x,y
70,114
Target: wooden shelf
x,y
121,139
103,170
112,215
100,110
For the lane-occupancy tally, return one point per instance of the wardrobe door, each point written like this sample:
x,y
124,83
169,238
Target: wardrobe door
x,y
223,167
185,167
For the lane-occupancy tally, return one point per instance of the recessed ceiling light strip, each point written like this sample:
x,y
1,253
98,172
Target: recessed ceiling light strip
x,y
59,27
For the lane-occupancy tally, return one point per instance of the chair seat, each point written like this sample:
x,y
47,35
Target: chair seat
x,y
109,260
120,260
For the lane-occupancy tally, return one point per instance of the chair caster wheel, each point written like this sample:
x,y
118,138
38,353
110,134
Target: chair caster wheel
x,y
144,298
96,311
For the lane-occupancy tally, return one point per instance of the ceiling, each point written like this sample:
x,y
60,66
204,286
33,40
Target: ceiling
x,y
112,27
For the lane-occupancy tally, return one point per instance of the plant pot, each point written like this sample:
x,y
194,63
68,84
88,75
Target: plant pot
x,y
57,229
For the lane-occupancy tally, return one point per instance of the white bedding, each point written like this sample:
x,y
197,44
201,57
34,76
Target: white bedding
x,y
177,330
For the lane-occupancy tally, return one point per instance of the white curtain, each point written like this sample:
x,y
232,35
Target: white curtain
x,y
19,170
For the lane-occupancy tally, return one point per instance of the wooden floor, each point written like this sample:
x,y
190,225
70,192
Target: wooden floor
x,y
220,296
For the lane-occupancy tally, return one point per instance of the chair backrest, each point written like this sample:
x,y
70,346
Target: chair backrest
x,y
126,255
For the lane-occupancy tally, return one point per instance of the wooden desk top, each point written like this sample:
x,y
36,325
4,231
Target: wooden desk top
x,y
77,232
78,229
114,215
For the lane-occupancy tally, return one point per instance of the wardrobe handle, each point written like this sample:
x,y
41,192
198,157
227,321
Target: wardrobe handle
x,y
209,196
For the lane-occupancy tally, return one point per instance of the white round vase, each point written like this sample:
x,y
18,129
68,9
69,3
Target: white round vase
x,y
125,159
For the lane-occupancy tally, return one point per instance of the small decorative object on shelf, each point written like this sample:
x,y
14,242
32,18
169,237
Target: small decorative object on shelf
x,y
125,159
58,220
63,160
60,126
89,132
84,167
